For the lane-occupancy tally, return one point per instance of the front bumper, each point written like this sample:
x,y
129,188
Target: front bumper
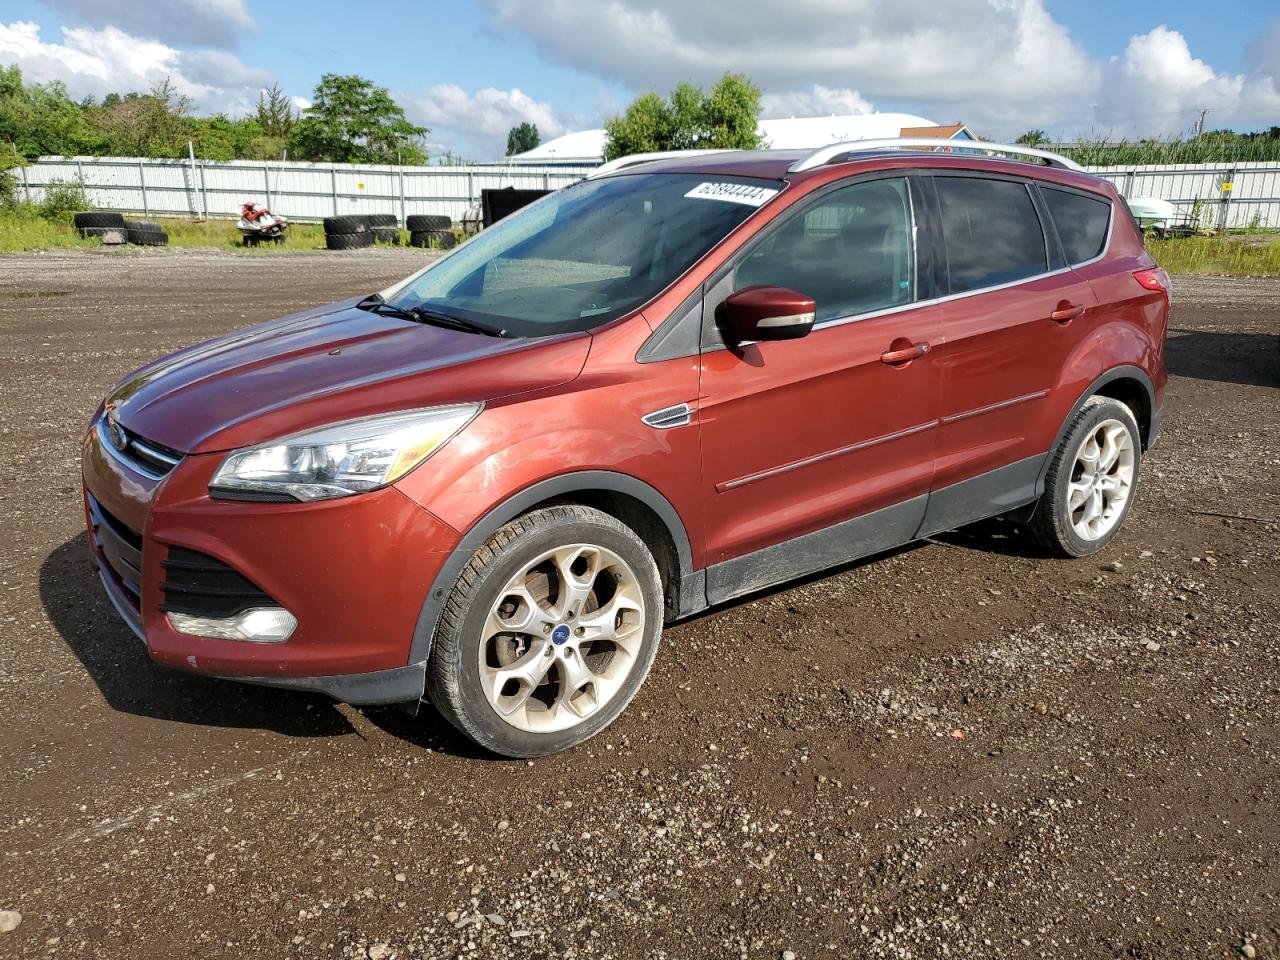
x,y
354,572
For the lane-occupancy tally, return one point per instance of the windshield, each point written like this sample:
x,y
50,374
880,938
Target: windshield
x,y
586,255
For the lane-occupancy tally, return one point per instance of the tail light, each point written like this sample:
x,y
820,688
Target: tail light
x,y
1155,280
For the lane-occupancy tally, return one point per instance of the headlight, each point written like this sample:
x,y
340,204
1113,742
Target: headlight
x,y
344,458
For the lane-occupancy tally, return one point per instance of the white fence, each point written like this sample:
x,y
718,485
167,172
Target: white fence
x,y
300,191
1221,195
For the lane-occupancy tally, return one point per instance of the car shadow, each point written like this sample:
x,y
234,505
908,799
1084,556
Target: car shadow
x,y
1249,359
130,682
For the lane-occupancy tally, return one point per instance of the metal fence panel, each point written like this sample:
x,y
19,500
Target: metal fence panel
x,y
301,191
311,191
1226,195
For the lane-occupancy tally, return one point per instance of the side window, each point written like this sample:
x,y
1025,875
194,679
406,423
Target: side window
x,y
1081,221
851,251
991,232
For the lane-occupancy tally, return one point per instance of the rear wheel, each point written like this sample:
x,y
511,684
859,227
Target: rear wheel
x,y
1091,482
549,632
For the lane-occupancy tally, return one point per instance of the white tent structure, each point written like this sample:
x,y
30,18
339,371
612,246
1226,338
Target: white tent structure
x,y
790,133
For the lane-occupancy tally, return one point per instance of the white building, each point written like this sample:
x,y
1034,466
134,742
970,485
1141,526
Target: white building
x,y
791,133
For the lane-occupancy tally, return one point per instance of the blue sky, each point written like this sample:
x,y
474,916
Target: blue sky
x,y
469,70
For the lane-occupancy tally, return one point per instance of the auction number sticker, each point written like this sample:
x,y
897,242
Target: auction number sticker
x,y
752,196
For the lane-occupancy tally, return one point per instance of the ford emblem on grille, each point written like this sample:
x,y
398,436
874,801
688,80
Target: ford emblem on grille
x,y
118,437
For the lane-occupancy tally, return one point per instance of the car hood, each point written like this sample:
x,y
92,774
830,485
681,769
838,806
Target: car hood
x,y
326,365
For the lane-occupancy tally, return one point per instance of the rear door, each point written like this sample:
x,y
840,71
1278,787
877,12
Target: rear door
x,y
801,435
1011,315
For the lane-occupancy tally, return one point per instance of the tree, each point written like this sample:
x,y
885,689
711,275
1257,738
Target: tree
x,y
41,119
726,117
154,124
351,120
275,114
1033,138
522,137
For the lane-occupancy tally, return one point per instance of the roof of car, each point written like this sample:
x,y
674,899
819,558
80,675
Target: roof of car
x,y
776,164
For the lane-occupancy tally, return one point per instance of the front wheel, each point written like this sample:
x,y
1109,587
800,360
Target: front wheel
x,y
1092,480
549,632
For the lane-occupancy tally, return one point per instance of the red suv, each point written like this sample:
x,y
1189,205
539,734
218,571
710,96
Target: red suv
x,y
672,384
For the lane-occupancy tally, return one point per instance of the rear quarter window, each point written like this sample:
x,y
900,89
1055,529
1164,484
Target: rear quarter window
x,y
1082,223
991,231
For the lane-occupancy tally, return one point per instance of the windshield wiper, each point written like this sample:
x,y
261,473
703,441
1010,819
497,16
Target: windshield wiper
x,y
375,304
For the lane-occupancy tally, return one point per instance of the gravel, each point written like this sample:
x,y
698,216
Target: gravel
x,y
958,750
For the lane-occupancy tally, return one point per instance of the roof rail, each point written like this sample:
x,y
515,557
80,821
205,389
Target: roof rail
x,y
630,161
825,155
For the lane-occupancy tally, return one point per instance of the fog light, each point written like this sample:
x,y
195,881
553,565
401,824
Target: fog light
x,y
259,625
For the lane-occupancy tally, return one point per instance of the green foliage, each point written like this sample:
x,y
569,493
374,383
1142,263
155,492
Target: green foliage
x,y
1215,146
62,200
1033,138
726,117
522,137
41,119
275,116
1236,255
10,160
351,120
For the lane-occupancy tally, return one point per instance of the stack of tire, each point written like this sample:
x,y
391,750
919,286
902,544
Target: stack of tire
x,y
146,233
358,230
430,230
112,228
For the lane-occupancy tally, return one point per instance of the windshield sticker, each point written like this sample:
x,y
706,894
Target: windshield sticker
x,y
733,193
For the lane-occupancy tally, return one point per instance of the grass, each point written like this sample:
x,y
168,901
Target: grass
x,y
1233,255
23,229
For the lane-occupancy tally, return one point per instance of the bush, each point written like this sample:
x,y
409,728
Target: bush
x,y
10,160
63,199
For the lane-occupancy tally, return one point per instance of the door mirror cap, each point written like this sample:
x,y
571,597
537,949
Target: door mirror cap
x,y
767,313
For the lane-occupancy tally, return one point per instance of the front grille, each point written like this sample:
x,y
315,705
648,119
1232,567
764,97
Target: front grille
x,y
150,459
203,586
119,550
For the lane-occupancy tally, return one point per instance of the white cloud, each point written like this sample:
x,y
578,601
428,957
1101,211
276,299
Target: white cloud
x,y
990,62
205,23
476,124
97,62
1157,86
817,101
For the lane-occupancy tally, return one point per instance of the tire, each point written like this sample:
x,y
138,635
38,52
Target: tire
x,y
379,220
108,235
145,233
467,693
351,224
439,239
1067,531
348,241
386,235
422,222
97,218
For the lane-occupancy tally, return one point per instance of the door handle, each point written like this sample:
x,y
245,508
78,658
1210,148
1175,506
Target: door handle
x,y
1067,311
905,354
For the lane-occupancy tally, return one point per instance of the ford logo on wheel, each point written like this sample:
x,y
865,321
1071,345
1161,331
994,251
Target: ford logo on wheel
x,y
560,634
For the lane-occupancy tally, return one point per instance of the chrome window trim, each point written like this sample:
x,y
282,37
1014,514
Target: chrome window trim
x,y
1106,249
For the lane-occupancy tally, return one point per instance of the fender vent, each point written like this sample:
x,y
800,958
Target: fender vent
x,y
668,417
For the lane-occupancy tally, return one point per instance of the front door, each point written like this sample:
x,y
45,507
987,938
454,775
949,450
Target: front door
x,y
829,438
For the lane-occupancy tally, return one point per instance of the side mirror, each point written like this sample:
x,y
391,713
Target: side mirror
x,y
767,313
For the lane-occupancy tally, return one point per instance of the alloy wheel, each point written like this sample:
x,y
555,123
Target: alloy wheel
x,y
562,638
1101,480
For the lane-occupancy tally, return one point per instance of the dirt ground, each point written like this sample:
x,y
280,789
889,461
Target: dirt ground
x,y
958,750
